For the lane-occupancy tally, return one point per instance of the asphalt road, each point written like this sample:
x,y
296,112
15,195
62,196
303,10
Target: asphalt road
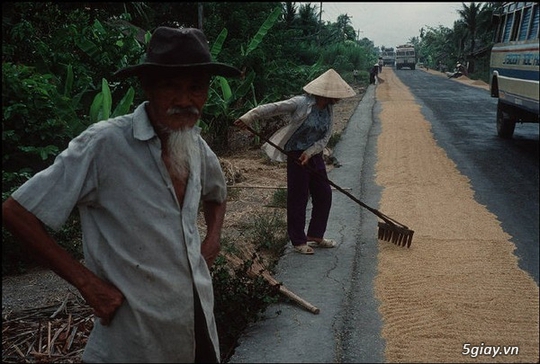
x,y
339,281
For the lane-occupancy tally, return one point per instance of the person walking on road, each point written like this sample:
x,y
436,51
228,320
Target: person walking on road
x,y
137,181
373,72
381,64
303,139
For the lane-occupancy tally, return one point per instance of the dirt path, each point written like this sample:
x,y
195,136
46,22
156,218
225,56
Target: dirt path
x,y
459,283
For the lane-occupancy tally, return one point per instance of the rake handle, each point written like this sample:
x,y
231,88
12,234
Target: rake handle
x,y
346,193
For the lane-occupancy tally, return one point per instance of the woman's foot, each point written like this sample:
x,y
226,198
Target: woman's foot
x,y
321,243
303,249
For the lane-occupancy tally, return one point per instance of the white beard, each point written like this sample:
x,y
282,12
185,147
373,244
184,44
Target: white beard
x,y
183,148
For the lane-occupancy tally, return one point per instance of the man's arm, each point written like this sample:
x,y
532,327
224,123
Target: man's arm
x,y
102,296
214,214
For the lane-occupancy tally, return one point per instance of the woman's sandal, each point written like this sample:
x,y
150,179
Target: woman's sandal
x,y
324,243
303,249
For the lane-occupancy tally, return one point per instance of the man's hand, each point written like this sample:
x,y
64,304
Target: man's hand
x,y
104,298
214,214
210,250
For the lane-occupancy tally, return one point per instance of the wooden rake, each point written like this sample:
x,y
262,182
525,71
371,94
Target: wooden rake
x,y
388,229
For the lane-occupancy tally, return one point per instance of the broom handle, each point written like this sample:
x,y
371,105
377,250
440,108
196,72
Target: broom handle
x,y
302,302
285,291
376,212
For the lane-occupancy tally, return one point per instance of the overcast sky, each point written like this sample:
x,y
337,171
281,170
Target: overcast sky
x,y
391,24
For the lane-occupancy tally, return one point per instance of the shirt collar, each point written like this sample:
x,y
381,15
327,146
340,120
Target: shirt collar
x,y
142,127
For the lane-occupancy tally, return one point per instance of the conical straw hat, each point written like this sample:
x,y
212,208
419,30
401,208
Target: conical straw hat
x,y
331,85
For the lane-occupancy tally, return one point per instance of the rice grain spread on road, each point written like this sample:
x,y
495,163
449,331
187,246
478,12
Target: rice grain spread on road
x,y
459,283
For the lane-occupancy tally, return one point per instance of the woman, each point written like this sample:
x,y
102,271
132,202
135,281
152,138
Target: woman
x,y
304,138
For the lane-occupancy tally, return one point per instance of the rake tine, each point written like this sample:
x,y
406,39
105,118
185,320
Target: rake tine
x,y
401,236
410,239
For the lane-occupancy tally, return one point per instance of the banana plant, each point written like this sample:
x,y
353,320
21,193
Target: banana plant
x,y
263,30
102,104
222,96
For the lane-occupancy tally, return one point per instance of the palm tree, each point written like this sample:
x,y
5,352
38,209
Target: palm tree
x,y
470,16
289,13
308,20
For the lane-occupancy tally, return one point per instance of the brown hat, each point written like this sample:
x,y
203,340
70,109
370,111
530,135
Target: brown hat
x,y
172,49
331,85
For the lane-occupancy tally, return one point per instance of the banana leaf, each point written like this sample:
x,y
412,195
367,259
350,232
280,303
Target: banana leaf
x,y
96,107
107,99
125,104
218,44
268,23
68,86
225,88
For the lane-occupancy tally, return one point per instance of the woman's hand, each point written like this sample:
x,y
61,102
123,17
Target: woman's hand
x,y
304,159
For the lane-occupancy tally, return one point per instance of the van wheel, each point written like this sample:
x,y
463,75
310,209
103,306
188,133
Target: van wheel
x,y
505,123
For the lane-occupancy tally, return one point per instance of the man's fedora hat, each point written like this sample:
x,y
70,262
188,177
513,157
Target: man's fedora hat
x,y
174,49
331,85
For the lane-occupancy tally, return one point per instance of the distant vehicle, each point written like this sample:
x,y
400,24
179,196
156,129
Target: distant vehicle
x,y
514,66
405,56
389,56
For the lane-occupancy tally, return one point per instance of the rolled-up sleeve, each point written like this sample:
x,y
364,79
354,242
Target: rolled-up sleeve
x,y
52,194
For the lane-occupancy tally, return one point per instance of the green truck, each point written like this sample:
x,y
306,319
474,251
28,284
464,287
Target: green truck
x,y
405,56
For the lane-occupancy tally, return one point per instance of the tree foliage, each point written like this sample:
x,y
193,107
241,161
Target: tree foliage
x,y
443,47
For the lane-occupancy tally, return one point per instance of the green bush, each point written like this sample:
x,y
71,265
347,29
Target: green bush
x,y
279,198
239,301
267,232
33,130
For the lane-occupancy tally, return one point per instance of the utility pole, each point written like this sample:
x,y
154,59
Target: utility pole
x,y
200,15
320,25
358,37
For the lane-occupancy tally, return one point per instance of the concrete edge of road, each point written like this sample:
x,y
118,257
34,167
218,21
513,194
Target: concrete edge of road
x,y
338,281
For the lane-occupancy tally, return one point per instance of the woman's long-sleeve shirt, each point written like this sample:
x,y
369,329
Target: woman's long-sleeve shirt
x,y
296,111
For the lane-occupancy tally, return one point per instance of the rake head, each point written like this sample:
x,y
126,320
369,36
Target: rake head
x,y
399,235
